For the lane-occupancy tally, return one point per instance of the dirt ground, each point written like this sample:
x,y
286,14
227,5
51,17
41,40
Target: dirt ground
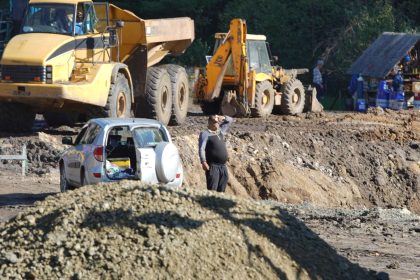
x,y
353,179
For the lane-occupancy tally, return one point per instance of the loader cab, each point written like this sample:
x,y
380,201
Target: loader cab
x,y
257,52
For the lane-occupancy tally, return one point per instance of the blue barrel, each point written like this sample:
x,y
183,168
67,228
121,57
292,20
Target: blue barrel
x,y
361,105
396,102
382,95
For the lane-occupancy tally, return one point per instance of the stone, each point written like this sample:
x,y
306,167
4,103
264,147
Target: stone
x,y
11,257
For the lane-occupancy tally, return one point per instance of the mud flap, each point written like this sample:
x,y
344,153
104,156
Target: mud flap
x,y
311,102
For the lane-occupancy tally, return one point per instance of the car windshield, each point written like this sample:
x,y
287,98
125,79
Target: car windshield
x,y
49,18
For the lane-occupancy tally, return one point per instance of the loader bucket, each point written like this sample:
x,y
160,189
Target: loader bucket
x,y
311,102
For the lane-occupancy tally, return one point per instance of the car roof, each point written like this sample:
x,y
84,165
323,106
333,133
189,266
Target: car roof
x,y
125,121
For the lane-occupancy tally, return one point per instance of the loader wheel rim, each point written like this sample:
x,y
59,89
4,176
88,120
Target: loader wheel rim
x,y
265,98
164,99
121,104
296,96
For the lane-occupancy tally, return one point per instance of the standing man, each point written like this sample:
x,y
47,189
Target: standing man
x,y
317,80
213,153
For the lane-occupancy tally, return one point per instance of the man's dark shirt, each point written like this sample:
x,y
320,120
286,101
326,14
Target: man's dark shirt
x,y
212,147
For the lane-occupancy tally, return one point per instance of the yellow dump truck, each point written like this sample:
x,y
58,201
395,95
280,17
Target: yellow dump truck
x,y
78,59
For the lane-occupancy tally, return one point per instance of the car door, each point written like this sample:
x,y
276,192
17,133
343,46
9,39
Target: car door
x,y
84,152
72,156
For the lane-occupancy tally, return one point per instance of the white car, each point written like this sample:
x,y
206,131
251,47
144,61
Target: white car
x,y
112,149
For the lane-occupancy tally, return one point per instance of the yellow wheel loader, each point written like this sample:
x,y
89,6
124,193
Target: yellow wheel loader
x,y
77,59
240,79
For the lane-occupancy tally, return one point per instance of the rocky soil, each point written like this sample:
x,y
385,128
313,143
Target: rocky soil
x,y
329,159
345,185
123,231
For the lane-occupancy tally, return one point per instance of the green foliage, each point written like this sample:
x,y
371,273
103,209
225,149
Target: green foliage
x,y
299,31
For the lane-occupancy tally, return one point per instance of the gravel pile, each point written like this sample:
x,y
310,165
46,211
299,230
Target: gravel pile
x,y
43,152
129,230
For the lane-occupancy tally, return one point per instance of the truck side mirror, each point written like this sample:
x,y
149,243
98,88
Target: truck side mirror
x,y
67,140
113,37
119,24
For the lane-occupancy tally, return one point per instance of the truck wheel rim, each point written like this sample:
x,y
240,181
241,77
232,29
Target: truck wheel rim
x,y
181,98
164,99
121,101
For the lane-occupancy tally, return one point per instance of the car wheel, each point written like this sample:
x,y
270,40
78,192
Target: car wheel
x,y
64,185
83,181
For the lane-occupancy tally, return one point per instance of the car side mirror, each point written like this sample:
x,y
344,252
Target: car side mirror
x,y
67,140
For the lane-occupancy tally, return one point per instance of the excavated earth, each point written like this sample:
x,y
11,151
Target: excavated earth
x,y
311,196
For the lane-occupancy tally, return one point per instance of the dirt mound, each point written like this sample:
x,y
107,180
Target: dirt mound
x,y
126,230
43,151
330,159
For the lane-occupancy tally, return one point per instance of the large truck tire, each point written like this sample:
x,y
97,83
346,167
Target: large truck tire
x,y
158,95
16,117
264,100
293,97
180,93
56,119
119,99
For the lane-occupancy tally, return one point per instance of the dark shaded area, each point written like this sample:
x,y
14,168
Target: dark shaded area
x,y
119,217
17,199
309,247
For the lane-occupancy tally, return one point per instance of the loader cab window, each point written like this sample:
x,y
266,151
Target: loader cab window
x,y
259,59
49,18
229,69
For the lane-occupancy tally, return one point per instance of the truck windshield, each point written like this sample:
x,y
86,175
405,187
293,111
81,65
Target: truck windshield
x,y
49,18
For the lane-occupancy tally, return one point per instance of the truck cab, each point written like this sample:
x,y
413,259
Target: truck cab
x,y
74,60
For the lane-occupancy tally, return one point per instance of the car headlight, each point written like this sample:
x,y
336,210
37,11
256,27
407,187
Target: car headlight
x,y
49,74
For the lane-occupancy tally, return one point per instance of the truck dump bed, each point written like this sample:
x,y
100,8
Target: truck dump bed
x,y
160,36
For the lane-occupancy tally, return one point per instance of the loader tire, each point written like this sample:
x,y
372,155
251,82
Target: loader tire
x,y
293,97
180,93
119,99
158,95
264,100
16,117
56,119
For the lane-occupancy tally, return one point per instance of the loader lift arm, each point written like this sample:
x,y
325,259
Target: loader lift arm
x,y
233,47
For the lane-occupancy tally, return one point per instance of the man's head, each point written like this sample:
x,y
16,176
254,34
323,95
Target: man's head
x,y
320,63
213,122
80,14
